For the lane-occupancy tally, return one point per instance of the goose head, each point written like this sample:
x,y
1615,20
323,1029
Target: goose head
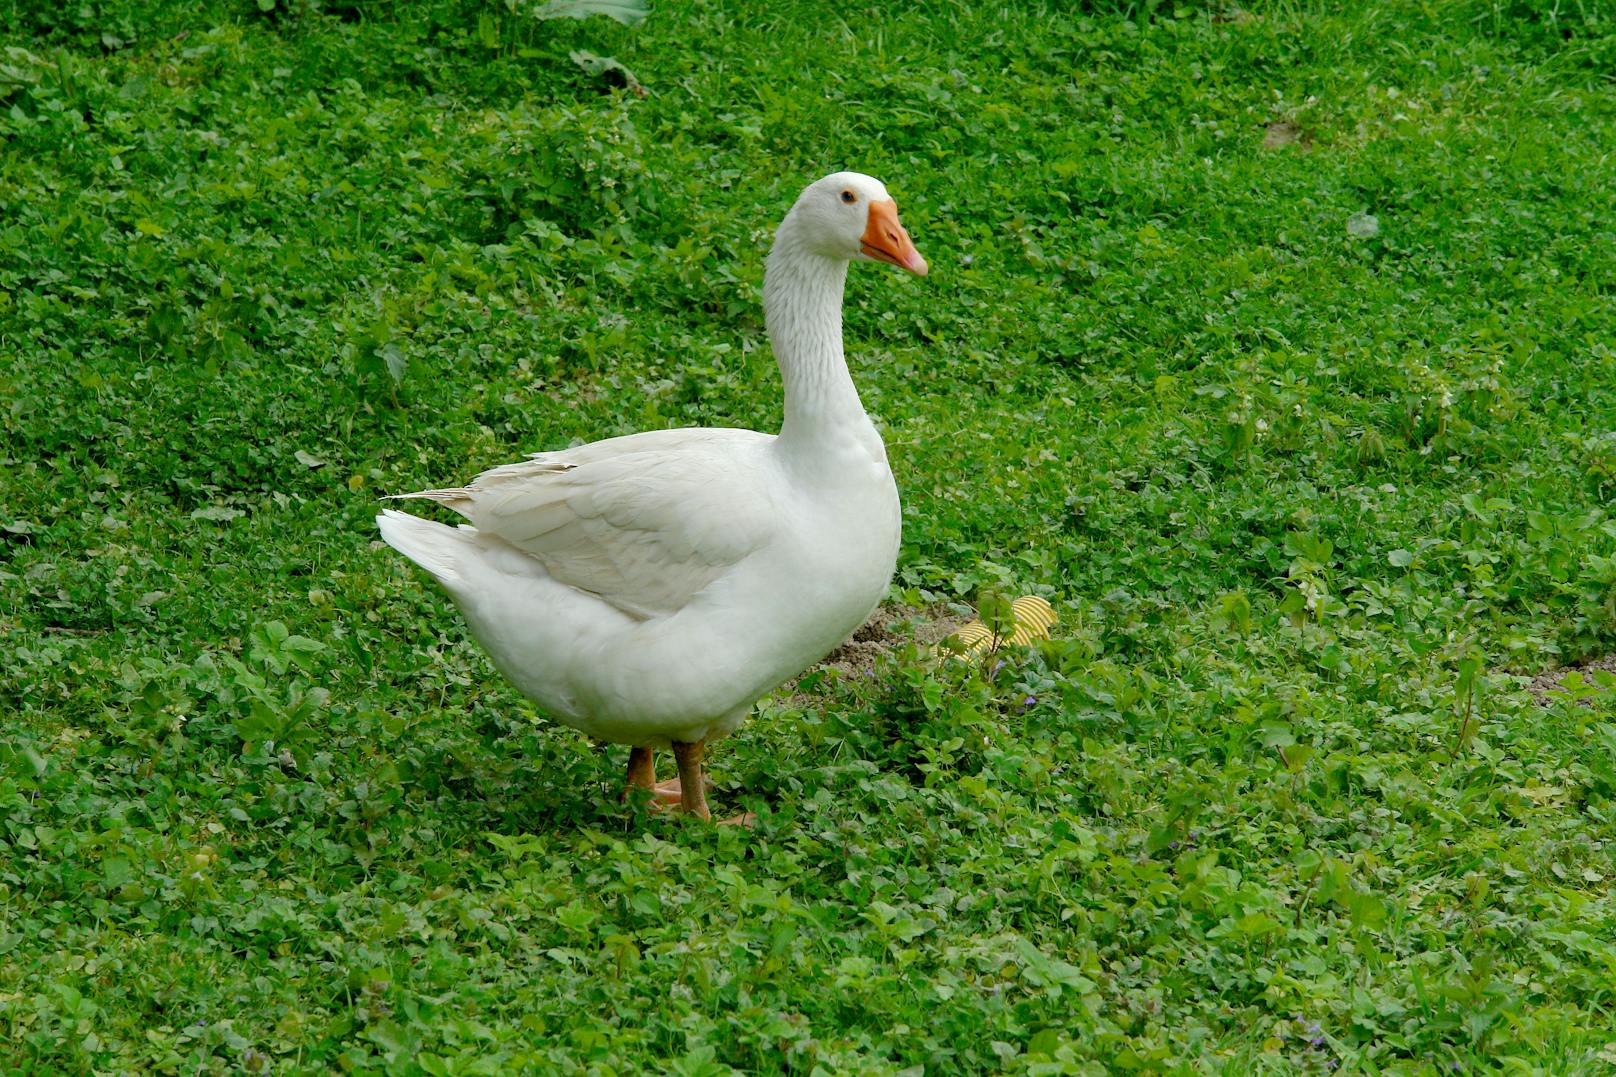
x,y
849,216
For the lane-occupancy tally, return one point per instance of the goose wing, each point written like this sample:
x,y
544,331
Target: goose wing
x,y
644,522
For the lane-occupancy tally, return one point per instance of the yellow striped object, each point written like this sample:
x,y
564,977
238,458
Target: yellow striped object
x,y
1034,618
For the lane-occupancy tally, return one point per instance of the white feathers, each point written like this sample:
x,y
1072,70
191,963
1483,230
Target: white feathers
x,y
649,588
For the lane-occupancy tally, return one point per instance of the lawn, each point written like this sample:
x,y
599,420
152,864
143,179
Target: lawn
x,y
1275,345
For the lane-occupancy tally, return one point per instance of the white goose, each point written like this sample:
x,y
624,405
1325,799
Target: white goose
x,y
647,589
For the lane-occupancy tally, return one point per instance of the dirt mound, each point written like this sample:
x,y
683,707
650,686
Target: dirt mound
x,y
890,627
1285,133
1551,680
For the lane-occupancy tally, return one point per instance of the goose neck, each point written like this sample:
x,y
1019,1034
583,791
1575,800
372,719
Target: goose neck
x,y
802,305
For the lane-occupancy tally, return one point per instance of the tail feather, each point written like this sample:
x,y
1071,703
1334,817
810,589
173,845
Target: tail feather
x,y
435,547
447,496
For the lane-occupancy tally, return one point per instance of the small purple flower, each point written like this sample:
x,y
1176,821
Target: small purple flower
x,y
1029,701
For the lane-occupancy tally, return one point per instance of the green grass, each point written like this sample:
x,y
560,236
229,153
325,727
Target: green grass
x,y
1311,501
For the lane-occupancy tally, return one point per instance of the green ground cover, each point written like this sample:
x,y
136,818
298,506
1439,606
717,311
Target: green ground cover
x,y
1274,346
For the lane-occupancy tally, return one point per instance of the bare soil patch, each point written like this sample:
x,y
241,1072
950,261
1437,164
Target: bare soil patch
x,y
890,627
1285,133
1551,680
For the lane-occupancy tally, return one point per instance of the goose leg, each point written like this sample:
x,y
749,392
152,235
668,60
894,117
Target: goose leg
x,y
672,790
641,769
693,784
642,775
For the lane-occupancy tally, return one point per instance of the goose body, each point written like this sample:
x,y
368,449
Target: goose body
x,y
647,589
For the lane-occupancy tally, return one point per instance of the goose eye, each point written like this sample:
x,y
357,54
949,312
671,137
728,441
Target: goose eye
x,y
849,197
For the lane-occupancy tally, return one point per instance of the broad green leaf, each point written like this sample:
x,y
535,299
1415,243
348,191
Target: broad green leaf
x,y
627,12
606,65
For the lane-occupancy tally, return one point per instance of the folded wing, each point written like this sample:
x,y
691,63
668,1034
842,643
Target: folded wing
x,y
645,529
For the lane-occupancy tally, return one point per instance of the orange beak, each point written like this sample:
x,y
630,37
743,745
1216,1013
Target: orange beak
x,y
885,240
